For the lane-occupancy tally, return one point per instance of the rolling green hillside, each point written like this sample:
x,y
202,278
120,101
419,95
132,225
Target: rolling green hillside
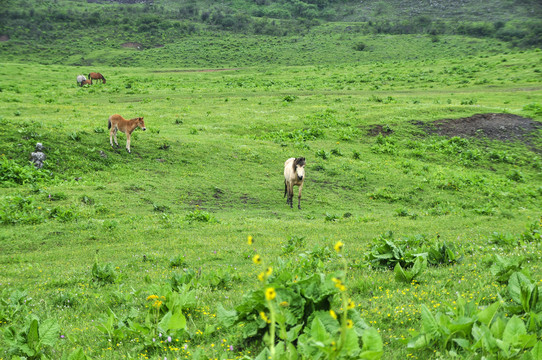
x,y
207,34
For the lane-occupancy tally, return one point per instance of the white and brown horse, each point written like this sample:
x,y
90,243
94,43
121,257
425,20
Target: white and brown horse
x,y
117,122
96,76
294,175
80,79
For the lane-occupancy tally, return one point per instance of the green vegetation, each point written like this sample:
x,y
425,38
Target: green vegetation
x,y
200,34
418,238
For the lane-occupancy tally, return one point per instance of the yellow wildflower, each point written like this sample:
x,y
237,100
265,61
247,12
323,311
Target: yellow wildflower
x,y
261,276
250,240
338,246
257,259
152,297
349,324
269,271
270,294
351,304
264,317
333,314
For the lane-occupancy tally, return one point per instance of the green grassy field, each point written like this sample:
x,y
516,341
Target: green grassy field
x,y
86,240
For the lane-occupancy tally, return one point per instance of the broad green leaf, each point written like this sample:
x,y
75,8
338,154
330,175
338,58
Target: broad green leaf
x,y
517,283
351,345
78,355
318,331
420,341
293,333
419,266
536,352
429,323
28,351
163,324
177,321
331,325
226,317
264,355
485,316
497,328
463,324
514,328
400,274
464,343
484,339
49,332
33,337
525,341
372,341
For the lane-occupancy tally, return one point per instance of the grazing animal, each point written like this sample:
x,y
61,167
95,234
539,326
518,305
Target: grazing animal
x,y
86,82
117,122
294,174
96,76
80,79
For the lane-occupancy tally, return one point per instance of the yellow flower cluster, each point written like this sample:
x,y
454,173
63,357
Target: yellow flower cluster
x,y
157,303
339,284
264,317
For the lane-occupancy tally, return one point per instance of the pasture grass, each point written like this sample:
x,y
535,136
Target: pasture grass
x,y
208,173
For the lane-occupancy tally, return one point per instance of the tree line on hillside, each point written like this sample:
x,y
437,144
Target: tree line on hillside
x,y
276,18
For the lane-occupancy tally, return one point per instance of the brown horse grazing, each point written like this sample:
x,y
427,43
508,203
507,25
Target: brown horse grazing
x,y
294,174
86,82
96,76
117,122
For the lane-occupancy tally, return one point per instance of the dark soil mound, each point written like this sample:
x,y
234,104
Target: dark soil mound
x,y
379,130
505,127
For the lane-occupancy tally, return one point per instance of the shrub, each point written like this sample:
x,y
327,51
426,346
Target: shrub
x,y
360,46
12,174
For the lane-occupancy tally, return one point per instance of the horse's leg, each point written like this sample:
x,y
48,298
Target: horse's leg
x,y
290,194
128,141
299,197
111,132
115,134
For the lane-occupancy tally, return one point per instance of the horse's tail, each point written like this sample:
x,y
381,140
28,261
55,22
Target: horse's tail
x,y
285,188
109,123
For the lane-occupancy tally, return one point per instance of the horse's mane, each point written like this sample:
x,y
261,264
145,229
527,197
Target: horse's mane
x,y
298,161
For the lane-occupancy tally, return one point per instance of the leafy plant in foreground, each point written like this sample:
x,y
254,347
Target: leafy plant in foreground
x,y
296,316
103,274
408,276
164,320
524,293
11,304
34,339
502,268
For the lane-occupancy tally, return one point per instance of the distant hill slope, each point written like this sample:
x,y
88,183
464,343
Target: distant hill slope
x,y
34,30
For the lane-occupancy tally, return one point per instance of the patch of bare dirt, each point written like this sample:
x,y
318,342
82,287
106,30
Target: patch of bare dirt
x,y
376,130
504,127
4,38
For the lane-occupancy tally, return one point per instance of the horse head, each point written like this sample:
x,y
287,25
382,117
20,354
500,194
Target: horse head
x,y
141,123
299,167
